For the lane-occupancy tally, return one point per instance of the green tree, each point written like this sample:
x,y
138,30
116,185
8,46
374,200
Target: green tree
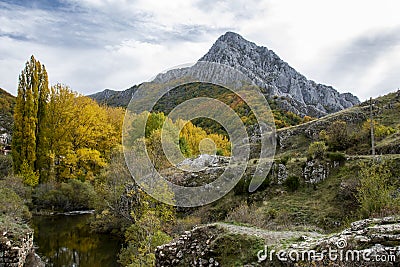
x,y
376,192
155,121
112,212
184,147
152,220
337,136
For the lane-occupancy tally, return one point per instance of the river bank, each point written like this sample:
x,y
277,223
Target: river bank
x,y
66,240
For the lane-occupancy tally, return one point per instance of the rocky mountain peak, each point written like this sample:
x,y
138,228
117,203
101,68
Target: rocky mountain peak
x,y
277,78
234,39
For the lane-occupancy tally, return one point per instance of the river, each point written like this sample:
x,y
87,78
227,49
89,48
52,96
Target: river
x,y
66,240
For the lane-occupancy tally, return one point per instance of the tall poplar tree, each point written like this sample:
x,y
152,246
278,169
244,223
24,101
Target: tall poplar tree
x,y
29,135
42,144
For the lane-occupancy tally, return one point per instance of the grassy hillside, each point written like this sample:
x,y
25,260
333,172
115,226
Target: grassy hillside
x,y
188,91
298,203
327,205
7,102
386,111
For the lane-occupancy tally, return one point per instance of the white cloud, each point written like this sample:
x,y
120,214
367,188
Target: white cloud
x,y
97,44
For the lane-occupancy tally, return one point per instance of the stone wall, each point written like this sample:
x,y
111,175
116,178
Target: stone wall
x,y
376,240
15,247
193,248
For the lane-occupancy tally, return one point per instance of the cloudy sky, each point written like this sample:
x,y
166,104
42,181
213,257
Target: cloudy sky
x,y
91,45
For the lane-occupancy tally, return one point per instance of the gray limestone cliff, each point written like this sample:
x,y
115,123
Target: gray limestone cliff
x,y
293,91
277,78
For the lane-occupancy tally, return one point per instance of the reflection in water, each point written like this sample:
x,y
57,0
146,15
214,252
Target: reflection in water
x,y
67,241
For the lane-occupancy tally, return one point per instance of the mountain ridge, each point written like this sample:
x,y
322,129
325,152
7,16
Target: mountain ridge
x,y
276,78
115,98
267,70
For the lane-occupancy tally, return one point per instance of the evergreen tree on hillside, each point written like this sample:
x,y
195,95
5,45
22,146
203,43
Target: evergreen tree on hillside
x,y
30,117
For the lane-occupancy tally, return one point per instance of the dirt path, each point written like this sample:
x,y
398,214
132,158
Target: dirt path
x,y
270,237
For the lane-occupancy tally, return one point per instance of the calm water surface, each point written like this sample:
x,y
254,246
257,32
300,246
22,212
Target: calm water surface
x,y
66,240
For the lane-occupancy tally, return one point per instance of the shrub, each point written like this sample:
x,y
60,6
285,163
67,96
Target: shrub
x,y
13,229
12,205
16,184
73,195
376,193
317,150
292,183
6,166
285,159
242,187
336,156
337,136
248,215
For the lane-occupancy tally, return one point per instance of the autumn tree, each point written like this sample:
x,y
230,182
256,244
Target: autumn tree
x,y
193,136
380,131
189,141
41,164
337,136
317,150
81,134
29,135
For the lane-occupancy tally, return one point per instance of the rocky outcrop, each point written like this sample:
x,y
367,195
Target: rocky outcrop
x,y
198,171
33,260
370,242
115,98
207,168
316,171
204,161
296,93
278,173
